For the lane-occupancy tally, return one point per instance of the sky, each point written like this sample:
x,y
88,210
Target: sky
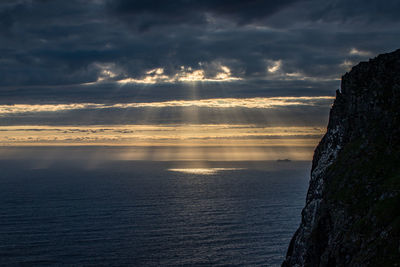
x,y
211,79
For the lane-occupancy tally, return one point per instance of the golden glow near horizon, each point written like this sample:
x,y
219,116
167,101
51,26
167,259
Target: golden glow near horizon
x,y
256,102
172,142
160,135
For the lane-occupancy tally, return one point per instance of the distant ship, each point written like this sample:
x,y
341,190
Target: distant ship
x,y
283,160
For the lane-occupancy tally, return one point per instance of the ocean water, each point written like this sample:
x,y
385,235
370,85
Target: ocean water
x,y
145,213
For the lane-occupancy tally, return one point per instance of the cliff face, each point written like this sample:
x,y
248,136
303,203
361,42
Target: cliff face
x,y
352,212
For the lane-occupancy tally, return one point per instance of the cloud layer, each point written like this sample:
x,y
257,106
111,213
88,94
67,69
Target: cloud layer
x,y
181,62
161,135
250,103
47,46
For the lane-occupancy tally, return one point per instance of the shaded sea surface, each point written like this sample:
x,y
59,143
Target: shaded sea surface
x,y
142,213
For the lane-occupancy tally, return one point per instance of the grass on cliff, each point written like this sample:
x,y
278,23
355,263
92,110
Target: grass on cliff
x,y
365,182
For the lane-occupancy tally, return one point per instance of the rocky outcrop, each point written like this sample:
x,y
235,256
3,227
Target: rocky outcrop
x,y
352,212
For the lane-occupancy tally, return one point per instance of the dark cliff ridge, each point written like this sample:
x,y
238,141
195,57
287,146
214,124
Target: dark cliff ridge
x,y
352,212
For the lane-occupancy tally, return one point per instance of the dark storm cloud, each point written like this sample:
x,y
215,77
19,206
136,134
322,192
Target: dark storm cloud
x,y
146,14
363,10
49,49
110,93
293,116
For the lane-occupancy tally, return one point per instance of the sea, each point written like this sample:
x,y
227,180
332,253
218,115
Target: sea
x,y
149,213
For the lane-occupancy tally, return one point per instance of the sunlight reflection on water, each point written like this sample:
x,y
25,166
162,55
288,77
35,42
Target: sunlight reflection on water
x,y
204,171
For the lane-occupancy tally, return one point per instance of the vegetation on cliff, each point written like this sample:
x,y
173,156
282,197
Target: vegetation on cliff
x,y
352,213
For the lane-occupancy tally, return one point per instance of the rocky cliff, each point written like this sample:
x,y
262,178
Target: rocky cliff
x,y
352,212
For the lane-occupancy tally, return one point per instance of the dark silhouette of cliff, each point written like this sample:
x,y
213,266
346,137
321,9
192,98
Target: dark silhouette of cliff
x,y
352,212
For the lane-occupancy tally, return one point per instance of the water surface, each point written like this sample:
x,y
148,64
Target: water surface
x,y
149,213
